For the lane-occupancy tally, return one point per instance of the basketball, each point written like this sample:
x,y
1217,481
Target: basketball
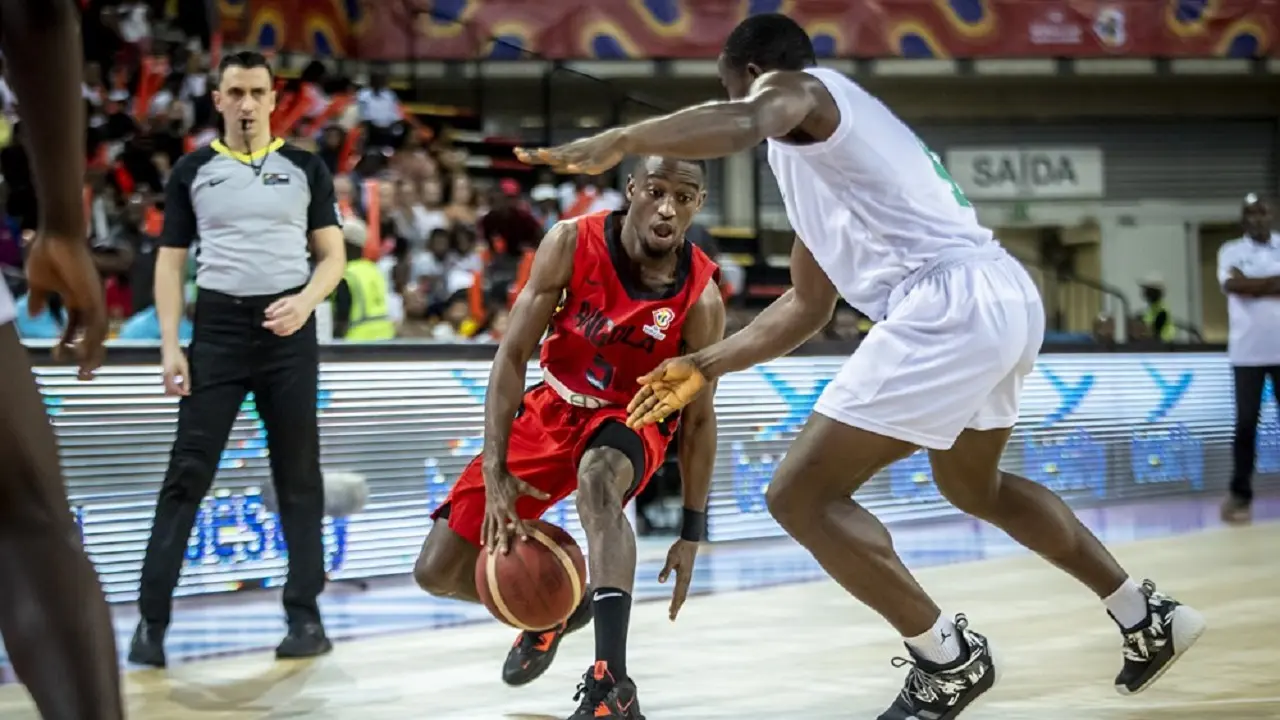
x,y
538,583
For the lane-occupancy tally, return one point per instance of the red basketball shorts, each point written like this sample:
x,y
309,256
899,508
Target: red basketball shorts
x,y
548,438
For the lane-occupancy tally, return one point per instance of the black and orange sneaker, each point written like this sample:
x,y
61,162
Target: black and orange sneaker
x,y
533,652
602,696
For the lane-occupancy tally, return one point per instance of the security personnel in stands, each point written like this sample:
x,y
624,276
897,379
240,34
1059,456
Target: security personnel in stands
x,y
360,302
1156,318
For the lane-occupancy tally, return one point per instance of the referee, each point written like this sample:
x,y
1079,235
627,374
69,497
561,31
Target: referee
x,y
259,210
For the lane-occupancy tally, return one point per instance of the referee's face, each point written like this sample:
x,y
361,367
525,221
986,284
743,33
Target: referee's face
x,y
246,94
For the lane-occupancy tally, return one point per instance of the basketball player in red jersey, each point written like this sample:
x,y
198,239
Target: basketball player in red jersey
x,y
52,612
617,294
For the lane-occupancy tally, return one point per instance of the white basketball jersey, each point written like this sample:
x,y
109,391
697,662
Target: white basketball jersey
x,y
871,202
7,310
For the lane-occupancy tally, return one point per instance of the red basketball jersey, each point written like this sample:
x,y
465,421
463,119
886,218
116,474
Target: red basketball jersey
x,y
608,330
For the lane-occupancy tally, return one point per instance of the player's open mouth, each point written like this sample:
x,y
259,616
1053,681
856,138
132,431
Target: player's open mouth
x,y
663,230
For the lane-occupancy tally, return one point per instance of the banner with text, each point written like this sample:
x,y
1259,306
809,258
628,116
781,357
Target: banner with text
x,y
1094,427
1027,173
637,29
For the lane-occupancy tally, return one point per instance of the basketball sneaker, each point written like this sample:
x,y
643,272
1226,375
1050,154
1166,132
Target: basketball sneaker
x,y
602,696
533,651
1150,648
942,692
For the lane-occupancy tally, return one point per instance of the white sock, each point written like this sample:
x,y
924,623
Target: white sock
x,y
939,644
1127,604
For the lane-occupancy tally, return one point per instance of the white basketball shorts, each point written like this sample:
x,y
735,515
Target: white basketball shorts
x,y
960,335
7,309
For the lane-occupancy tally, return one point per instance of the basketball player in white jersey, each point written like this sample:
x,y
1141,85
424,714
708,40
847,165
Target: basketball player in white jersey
x,y
881,224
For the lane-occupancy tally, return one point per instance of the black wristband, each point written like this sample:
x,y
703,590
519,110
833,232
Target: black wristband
x,y
694,526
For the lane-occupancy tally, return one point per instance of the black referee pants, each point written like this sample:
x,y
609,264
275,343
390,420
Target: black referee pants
x,y
231,354
1250,382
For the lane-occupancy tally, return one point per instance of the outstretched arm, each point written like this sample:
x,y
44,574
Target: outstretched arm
x,y
532,312
792,319
779,102
697,455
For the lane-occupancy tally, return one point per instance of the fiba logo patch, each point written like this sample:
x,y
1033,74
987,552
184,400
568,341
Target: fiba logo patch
x,y
1109,27
662,318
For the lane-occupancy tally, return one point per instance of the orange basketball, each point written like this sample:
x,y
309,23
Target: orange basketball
x,y
538,583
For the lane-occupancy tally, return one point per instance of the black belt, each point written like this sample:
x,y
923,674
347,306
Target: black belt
x,y
214,298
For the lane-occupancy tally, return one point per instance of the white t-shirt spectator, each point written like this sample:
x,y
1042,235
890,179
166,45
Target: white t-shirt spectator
x,y
1254,323
8,102
133,22
380,108
607,199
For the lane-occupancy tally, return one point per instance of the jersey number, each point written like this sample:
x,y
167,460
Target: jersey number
x,y
941,169
600,374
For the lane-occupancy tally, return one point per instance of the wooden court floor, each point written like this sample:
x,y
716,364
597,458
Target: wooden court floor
x,y
801,651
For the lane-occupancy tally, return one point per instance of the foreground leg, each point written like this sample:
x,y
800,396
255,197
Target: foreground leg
x,y
605,475
1157,629
810,498
285,387
53,615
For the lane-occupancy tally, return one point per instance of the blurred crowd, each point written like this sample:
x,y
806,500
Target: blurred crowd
x,y
452,244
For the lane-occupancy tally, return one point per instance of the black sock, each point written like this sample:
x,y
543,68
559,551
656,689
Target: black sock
x,y
612,616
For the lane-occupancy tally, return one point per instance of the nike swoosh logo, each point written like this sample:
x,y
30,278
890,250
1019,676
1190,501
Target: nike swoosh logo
x,y
606,595
219,181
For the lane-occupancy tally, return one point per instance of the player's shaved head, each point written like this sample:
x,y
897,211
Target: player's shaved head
x,y
673,167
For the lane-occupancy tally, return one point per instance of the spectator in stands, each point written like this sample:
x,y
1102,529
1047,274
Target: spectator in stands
x,y
332,140
1249,272
430,270
8,101
413,220
380,111
360,312
16,169
128,254
463,203
412,161
499,321
546,205
457,322
509,226
145,324
1156,321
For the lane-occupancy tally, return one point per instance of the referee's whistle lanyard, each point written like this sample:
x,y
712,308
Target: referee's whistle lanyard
x,y
253,165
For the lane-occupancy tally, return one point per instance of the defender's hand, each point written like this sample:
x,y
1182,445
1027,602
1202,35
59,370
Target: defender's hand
x,y
665,391
501,491
588,156
680,560
65,266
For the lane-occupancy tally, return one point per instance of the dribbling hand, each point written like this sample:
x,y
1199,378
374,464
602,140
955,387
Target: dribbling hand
x,y
665,391
680,560
65,266
501,491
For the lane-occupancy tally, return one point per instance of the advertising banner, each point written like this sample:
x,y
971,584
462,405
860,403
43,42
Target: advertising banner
x,y
1094,427
683,29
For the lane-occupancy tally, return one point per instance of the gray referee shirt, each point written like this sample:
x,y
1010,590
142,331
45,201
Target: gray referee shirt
x,y
249,216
